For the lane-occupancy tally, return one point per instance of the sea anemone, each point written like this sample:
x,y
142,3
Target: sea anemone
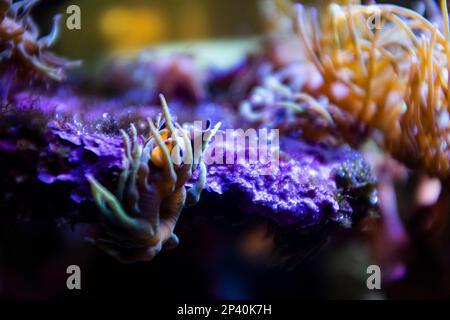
x,y
388,67
279,103
23,54
139,220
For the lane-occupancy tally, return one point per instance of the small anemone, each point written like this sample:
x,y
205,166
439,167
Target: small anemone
x,y
139,219
390,74
278,103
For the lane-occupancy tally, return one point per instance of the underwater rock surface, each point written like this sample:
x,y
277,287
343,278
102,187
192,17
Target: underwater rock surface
x,y
314,189
303,189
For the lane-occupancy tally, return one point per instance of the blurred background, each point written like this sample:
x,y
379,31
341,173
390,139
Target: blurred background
x,y
132,25
118,26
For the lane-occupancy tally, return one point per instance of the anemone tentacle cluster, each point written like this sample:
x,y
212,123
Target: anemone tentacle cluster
x,y
22,50
140,219
280,103
391,75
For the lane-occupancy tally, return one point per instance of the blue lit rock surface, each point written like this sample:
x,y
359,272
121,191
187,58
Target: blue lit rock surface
x,y
309,184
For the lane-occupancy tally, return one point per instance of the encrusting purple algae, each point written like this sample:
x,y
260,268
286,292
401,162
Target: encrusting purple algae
x,y
103,161
306,187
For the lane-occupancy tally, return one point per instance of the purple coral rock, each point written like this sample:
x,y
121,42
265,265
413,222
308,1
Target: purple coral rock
x,y
85,153
301,190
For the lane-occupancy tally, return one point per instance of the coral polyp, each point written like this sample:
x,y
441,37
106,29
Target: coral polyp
x,y
388,67
139,220
23,53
